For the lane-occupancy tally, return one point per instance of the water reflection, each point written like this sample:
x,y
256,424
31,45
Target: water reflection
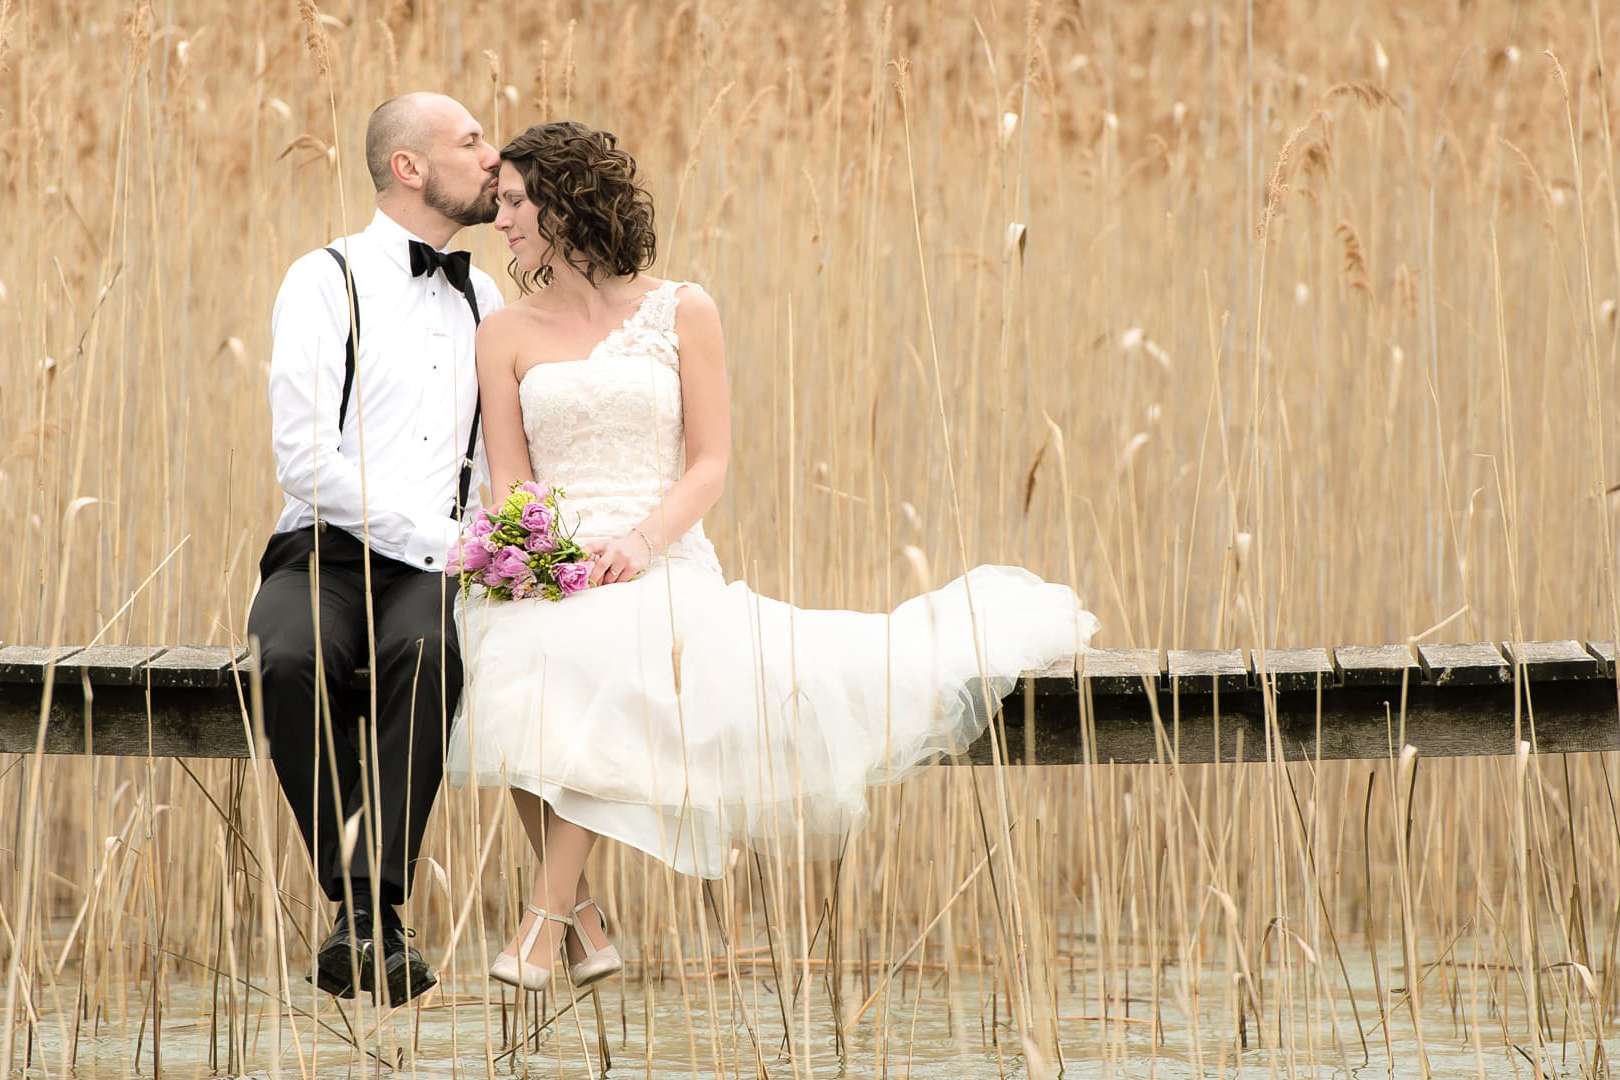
x,y
946,1025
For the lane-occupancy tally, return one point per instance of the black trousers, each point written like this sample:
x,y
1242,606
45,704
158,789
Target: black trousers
x,y
418,677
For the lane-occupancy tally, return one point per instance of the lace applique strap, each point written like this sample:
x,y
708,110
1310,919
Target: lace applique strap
x,y
658,309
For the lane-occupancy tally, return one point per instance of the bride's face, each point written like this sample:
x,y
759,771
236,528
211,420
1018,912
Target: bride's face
x,y
519,219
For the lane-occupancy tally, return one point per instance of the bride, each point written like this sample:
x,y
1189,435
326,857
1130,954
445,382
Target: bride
x,y
664,708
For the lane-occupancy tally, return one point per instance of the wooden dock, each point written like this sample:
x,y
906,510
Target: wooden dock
x,y
1122,705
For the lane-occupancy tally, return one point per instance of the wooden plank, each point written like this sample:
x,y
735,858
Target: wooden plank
x,y
1202,671
1030,686
180,723
1458,721
1057,670
192,708
1293,670
1376,665
1121,671
1572,716
27,663
1552,661
109,665
1467,664
1604,651
195,666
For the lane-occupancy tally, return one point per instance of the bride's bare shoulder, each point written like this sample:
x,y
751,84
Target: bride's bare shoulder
x,y
499,334
695,305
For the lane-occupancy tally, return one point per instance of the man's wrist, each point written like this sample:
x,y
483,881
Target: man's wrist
x,y
431,540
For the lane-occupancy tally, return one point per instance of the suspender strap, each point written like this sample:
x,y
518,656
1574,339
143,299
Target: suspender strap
x,y
465,487
351,346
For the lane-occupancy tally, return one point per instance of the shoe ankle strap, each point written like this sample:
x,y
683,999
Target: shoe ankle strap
x,y
544,914
590,902
590,947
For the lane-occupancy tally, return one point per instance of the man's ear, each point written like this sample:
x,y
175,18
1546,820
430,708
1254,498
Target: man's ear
x,y
406,170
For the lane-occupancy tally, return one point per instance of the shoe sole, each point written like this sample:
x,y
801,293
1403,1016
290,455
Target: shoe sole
x,y
401,981
332,975
594,979
328,979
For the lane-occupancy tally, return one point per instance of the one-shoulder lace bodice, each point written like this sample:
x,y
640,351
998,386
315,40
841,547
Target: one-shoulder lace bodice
x,y
607,428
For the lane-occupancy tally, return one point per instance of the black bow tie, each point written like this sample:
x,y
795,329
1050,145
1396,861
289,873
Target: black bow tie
x,y
455,264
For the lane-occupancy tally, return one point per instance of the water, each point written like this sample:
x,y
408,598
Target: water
x,y
714,1026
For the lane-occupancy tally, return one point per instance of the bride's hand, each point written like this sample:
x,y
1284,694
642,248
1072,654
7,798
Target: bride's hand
x,y
618,560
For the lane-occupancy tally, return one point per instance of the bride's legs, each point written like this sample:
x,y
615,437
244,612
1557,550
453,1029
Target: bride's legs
x,y
590,923
563,848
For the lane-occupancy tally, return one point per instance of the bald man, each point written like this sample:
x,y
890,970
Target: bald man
x,y
374,421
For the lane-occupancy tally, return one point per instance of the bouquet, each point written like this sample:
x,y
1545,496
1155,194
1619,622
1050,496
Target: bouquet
x,y
519,550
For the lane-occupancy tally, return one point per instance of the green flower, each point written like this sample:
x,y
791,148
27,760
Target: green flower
x,y
512,508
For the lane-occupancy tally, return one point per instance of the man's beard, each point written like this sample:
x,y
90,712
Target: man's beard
x,y
476,211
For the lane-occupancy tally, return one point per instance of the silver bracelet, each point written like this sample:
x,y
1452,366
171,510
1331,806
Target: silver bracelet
x,y
637,530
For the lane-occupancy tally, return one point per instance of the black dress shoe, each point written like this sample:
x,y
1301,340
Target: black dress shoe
x,y
405,974
333,970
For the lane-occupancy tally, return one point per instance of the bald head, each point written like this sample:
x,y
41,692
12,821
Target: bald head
x,y
405,122
431,165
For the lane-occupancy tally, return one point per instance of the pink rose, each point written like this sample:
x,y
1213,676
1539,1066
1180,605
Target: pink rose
x,y
572,576
532,488
481,527
511,563
491,578
538,518
472,556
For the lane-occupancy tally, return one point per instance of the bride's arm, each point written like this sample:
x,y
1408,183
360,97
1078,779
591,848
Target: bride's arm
x,y
505,445
705,407
706,413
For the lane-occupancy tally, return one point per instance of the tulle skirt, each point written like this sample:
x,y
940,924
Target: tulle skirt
x,y
688,717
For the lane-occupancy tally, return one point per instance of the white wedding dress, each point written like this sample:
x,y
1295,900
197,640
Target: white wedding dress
x,y
687,716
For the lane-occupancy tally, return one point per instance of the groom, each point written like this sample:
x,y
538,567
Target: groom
x,y
374,419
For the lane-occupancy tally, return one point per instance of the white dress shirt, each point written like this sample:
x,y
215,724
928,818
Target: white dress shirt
x,y
415,388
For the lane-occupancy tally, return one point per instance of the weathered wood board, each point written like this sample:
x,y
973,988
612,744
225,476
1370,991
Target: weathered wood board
x,y
1123,706
1207,671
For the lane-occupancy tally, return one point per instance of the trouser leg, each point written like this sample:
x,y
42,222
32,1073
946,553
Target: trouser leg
x,y
418,685
315,759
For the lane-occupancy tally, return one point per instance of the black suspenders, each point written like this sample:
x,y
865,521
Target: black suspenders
x,y
352,346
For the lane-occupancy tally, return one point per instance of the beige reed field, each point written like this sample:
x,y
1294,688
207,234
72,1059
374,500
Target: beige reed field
x,y
1263,324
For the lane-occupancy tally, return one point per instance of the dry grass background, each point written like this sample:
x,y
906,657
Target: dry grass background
x,y
1285,323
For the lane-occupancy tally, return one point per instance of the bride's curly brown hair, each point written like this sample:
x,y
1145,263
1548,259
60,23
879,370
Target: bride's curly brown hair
x,y
593,212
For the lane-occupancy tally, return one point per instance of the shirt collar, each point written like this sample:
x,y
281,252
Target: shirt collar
x,y
394,239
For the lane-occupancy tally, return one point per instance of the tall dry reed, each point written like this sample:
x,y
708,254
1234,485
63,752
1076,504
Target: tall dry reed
x,y
1263,324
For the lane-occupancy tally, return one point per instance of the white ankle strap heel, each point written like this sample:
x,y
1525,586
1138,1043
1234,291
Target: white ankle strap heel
x,y
599,963
516,970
